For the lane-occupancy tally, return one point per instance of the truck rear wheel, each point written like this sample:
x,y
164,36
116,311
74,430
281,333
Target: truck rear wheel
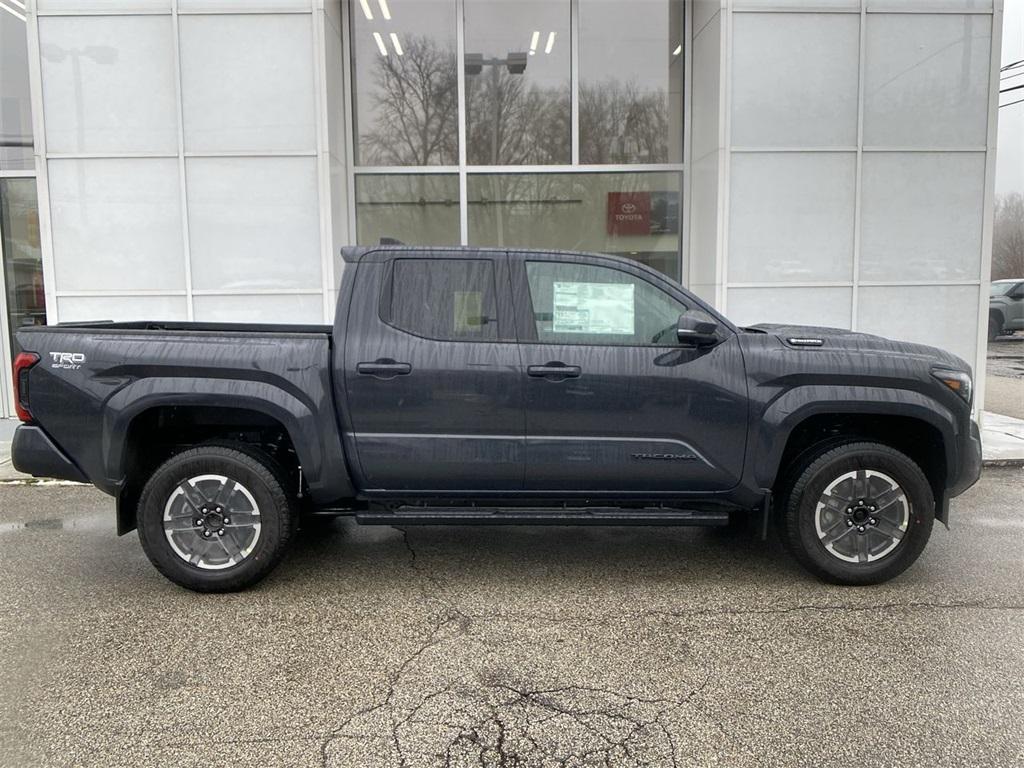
x,y
216,518
858,513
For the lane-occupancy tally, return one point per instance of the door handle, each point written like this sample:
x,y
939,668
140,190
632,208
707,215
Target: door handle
x,y
384,369
554,370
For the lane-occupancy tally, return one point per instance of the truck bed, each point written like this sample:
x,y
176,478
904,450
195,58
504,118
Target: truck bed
x,y
174,325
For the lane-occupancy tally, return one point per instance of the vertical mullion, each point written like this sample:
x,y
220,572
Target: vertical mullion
x,y
179,106
460,54
6,390
684,184
858,169
42,168
350,128
574,79
988,207
318,29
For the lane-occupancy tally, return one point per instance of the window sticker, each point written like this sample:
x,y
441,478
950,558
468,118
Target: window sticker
x,y
468,309
600,308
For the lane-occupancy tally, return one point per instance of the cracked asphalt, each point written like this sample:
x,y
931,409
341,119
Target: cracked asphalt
x,y
502,646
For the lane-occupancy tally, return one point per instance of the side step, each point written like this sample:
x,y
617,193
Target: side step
x,y
411,515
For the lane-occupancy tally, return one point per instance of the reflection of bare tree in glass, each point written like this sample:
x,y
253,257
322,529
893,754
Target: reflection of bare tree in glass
x,y
511,122
620,123
416,100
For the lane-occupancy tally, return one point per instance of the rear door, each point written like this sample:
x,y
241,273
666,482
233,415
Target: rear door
x,y
432,373
613,401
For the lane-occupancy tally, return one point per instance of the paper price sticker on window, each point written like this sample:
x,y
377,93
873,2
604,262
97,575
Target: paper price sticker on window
x,y
598,308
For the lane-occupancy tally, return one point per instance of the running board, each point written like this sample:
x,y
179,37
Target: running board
x,y
541,516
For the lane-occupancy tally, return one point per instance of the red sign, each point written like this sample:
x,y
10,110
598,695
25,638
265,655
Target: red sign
x,y
629,213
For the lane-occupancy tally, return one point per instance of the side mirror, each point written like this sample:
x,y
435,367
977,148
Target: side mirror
x,y
695,332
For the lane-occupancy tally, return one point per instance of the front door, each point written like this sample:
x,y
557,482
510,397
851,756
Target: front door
x,y
432,374
613,401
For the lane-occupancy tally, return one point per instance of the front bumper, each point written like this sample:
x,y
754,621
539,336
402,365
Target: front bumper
x,y
970,462
33,453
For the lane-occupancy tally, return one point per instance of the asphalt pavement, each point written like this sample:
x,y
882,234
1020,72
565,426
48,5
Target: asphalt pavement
x,y
503,646
1004,385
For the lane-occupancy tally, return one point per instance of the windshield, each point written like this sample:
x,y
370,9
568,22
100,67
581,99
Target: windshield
x,y
1000,289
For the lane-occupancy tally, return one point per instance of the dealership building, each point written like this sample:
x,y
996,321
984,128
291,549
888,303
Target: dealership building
x,y
828,162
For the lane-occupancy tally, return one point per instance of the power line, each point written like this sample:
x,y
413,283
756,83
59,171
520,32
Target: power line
x,y
1012,88
1018,101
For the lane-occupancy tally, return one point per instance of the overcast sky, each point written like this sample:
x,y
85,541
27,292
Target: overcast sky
x,y
1010,151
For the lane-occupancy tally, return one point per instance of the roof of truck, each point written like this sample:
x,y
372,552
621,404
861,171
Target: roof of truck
x,y
355,253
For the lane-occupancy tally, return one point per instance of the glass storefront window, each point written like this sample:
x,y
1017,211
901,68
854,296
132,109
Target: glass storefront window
x,y
15,104
406,105
418,209
22,259
628,214
518,101
515,110
631,81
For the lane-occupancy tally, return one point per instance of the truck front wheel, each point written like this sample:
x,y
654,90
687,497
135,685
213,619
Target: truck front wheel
x,y
215,518
859,513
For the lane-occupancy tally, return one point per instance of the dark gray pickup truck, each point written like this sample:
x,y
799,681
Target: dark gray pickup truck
x,y
499,386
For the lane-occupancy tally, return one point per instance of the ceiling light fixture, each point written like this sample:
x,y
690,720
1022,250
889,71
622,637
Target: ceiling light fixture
x,y
551,43
366,10
534,40
380,44
384,10
11,11
398,45
678,50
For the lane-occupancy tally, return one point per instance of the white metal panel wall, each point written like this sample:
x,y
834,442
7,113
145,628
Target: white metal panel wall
x,y
704,276
860,170
187,168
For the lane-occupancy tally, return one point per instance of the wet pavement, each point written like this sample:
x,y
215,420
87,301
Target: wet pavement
x,y
506,646
1006,356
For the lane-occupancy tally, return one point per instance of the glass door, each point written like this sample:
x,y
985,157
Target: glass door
x,y
24,300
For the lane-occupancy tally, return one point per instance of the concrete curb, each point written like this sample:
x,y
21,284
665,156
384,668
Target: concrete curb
x,y
1003,463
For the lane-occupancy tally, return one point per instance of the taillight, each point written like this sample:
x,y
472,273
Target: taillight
x,y
22,363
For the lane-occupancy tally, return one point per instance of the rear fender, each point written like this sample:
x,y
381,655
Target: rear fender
x,y
314,436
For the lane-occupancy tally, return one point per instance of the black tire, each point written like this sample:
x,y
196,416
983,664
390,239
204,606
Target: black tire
x,y
993,328
799,503
259,475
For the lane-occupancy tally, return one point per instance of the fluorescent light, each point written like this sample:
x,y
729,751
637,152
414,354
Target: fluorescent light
x,y
11,11
534,39
366,10
380,44
398,45
678,50
551,43
384,10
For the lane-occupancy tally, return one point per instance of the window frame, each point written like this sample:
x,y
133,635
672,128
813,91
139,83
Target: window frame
x,y
523,301
499,275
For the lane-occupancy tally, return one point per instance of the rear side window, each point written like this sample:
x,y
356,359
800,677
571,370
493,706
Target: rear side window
x,y
445,299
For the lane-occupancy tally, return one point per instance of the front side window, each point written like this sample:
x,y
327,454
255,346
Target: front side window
x,y
445,299
1000,289
588,304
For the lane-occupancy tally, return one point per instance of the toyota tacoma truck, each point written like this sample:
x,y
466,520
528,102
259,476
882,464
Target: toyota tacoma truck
x,y
466,385
1005,307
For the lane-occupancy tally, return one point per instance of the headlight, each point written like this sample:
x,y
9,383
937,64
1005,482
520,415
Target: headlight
x,y
959,381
